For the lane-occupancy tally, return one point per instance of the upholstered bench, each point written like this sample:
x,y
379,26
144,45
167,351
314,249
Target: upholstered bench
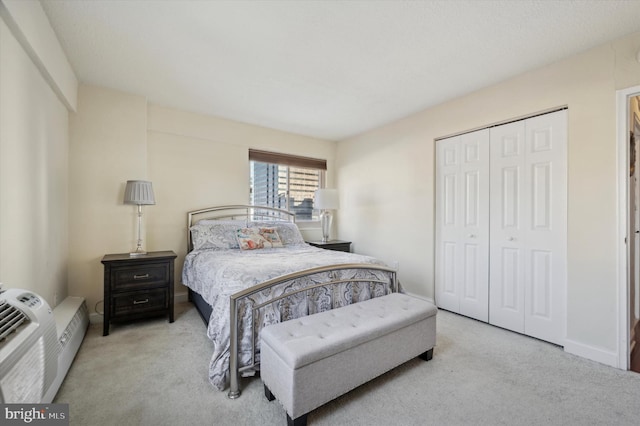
x,y
309,361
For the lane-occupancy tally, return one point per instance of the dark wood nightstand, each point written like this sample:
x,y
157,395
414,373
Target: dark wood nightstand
x,y
337,245
137,286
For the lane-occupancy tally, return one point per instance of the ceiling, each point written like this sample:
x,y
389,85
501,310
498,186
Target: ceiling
x,y
327,69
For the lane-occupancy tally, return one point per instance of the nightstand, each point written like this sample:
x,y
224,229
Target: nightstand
x,y
137,287
337,245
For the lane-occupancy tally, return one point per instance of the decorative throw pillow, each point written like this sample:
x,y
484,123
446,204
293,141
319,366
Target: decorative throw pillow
x,y
271,235
257,238
287,231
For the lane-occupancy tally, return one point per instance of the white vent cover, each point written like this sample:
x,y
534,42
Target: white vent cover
x,y
30,349
10,319
24,382
77,325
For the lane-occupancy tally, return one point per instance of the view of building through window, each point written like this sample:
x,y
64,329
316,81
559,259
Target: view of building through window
x,y
285,187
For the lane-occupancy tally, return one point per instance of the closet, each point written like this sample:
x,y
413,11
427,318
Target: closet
x,y
501,225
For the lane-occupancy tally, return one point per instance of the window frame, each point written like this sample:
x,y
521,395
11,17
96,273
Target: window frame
x,y
289,161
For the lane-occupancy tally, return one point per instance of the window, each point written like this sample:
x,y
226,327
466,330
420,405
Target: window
x,y
285,182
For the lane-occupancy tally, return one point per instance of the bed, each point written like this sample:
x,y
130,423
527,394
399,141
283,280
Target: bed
x,y
238,288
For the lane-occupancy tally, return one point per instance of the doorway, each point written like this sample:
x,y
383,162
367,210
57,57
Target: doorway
x,y
634,234
628,116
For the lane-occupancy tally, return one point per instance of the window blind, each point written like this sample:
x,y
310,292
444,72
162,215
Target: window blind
x,y
287,160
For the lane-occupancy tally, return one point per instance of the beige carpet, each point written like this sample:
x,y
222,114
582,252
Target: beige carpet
x,y
155,373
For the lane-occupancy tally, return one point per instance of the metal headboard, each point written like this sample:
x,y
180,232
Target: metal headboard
x,y
236,212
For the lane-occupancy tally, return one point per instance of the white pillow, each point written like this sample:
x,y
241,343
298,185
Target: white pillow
x,y
215,234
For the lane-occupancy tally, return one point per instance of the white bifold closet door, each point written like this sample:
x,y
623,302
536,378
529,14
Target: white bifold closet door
x,y
462,224
528,226
501,197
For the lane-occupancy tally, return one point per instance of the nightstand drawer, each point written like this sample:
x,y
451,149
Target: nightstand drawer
x,y
336,245
139,302
137,287
142,276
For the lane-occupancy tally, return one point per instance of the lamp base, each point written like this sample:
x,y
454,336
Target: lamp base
x,y
137,253
325,222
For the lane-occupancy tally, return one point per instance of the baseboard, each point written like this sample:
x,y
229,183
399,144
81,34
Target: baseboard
x,y
181,297
96,318
592,353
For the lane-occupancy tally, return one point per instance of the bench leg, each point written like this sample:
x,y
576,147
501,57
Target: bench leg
x,y
300,421
427,356
268,394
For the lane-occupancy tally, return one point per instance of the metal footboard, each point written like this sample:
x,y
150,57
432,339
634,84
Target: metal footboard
x,y
236,300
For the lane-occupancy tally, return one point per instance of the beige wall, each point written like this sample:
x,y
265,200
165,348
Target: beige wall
x,y
108,146
31,26
33,176
197,161
390,213
193,160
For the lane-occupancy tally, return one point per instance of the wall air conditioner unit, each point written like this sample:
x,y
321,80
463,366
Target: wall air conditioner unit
x,y
37,345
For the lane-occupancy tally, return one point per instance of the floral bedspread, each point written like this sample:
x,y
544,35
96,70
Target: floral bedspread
x,y
217,274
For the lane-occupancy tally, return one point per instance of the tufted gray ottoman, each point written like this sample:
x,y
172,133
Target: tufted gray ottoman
x,y
309,361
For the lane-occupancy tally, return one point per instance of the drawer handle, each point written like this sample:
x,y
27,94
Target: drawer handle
x,y
140,277
140,302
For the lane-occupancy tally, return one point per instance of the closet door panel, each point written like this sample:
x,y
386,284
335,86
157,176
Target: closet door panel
x,y
462,221
474,296
508,214
448,224
540,291
545,285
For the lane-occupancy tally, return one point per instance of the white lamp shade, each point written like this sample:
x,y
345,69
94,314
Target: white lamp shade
x,y
139,192
326,199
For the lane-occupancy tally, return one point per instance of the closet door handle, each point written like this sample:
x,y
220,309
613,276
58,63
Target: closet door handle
x,y
472,235
512,239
